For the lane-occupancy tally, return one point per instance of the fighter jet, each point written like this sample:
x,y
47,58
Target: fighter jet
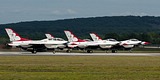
x,y
75,42
126,44
130,43
104,44
107,44
33,45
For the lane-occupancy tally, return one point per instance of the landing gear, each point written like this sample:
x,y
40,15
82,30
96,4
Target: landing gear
x,y
114,51
89,51
106,51
54,51
68,51
130,50
34,51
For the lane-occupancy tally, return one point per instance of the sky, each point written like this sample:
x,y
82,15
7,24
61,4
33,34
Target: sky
x,y
13,11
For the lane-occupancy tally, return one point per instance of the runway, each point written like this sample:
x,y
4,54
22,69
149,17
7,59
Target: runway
x,y
75,54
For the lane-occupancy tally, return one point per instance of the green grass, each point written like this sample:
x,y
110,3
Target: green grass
x,y
79,68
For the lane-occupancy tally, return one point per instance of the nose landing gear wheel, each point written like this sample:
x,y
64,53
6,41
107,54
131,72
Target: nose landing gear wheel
x,y
89,51
54,52
34,52
68,51
114,51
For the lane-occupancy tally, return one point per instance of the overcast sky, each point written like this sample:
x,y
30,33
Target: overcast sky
x,y
12,11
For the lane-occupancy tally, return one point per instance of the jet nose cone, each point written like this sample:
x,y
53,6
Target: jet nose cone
x,y
145,43
117,43
9,45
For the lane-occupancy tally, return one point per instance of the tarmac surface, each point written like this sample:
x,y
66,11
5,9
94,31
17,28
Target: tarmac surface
x,y
75,54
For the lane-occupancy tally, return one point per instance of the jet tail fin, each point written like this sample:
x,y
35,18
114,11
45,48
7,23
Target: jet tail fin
x,y
49,36
71,37
95,37
13,35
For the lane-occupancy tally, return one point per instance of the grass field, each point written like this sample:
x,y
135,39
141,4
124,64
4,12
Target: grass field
x,y
79,68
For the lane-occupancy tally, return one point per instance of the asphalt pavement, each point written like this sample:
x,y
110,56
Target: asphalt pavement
x,y
75,54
